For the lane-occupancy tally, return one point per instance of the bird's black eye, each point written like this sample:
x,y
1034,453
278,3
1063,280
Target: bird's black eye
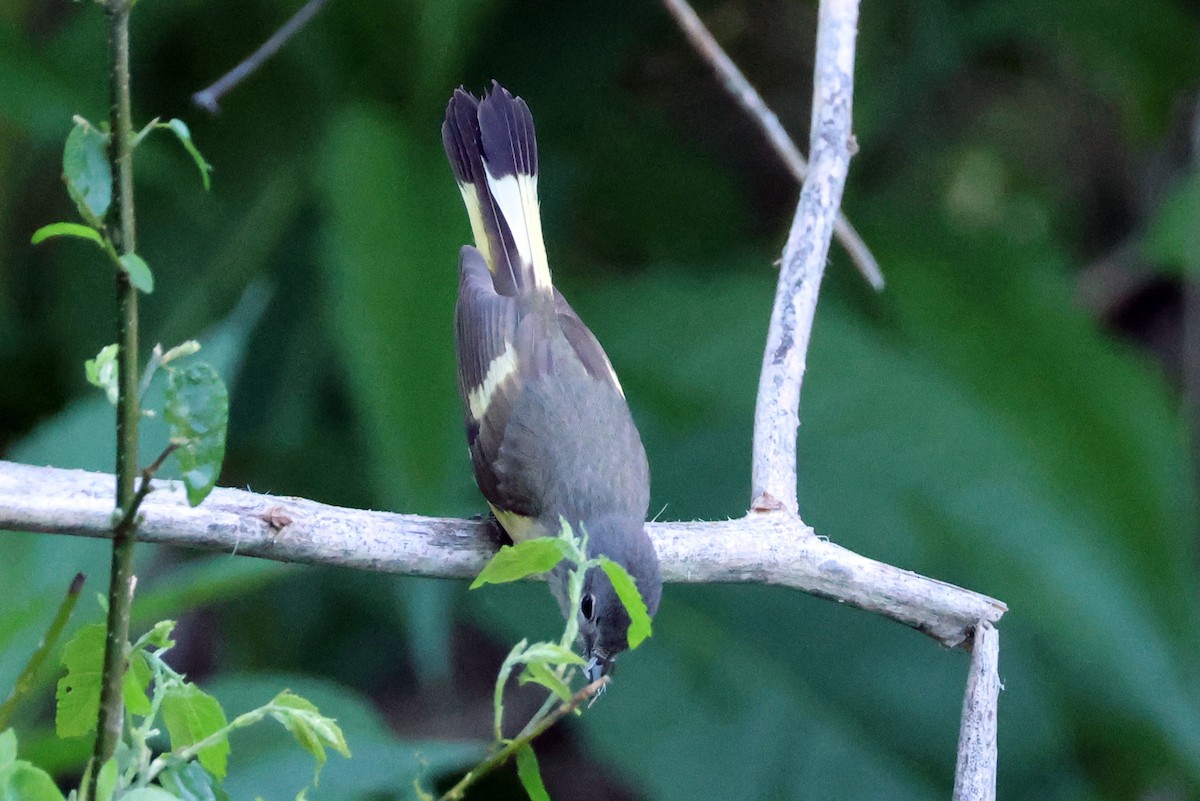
x,y
586,606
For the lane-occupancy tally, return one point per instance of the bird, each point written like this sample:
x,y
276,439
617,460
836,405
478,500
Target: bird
x,y
550,433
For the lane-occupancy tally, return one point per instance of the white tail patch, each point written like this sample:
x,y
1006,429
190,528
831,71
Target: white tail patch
x,y
516,195
501,368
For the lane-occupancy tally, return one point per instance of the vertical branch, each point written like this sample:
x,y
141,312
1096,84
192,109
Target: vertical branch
x,y
975,776
120,592
776,416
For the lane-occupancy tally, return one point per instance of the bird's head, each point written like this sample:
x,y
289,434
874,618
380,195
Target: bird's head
x,y
603,621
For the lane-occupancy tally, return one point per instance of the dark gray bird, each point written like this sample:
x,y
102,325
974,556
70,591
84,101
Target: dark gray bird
x,y
547,424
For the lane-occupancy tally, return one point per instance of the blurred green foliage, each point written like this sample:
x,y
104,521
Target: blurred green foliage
x,y
974,422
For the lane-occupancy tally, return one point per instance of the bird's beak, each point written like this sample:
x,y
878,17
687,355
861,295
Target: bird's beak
x,y
597,666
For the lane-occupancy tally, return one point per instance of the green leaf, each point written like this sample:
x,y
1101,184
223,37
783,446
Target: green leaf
x,y
197,411
530,775
106,780
102,371
514,562
181,131
550,653
78,693
540,673
270,765
190,715
312,730
138,271
627,591
22,781
135,682
87,171
66,229
160,635
191,782
8,747
82,436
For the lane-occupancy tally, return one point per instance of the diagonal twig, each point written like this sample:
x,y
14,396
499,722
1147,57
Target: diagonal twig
x,y
740,89
589,692
209,98
25,679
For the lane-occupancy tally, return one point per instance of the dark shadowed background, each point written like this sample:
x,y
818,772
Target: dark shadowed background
x,y
1012,414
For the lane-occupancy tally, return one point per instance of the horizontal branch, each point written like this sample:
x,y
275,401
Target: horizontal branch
x,y
766,548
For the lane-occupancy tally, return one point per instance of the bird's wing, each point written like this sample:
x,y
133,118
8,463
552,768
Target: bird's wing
x,y
585,344
489,370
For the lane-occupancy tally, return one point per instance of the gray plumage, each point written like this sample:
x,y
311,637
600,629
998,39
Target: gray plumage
x,y
548,427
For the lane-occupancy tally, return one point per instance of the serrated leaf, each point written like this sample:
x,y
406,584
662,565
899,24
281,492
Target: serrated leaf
x,y
138,271
515,562
87,171
270,765
8,747
21,781
160,635
627,591
197,412
550,653
136,680
540,673
190,715
78,693
66,229
184,134
312,730
191,782
102,371
530,775
106,780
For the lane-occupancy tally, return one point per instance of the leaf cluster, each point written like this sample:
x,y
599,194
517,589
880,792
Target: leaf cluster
x,y
158,700
553,665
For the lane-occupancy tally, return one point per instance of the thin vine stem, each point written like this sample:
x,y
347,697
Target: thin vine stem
x,y
120,594
456,792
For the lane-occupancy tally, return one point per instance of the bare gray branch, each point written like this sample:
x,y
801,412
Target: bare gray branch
x,y
777,414
760,548
975,777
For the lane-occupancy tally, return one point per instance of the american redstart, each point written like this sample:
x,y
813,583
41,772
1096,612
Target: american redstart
x,y
549,431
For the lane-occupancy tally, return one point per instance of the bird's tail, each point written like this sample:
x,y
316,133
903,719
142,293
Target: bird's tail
x,y
493,151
